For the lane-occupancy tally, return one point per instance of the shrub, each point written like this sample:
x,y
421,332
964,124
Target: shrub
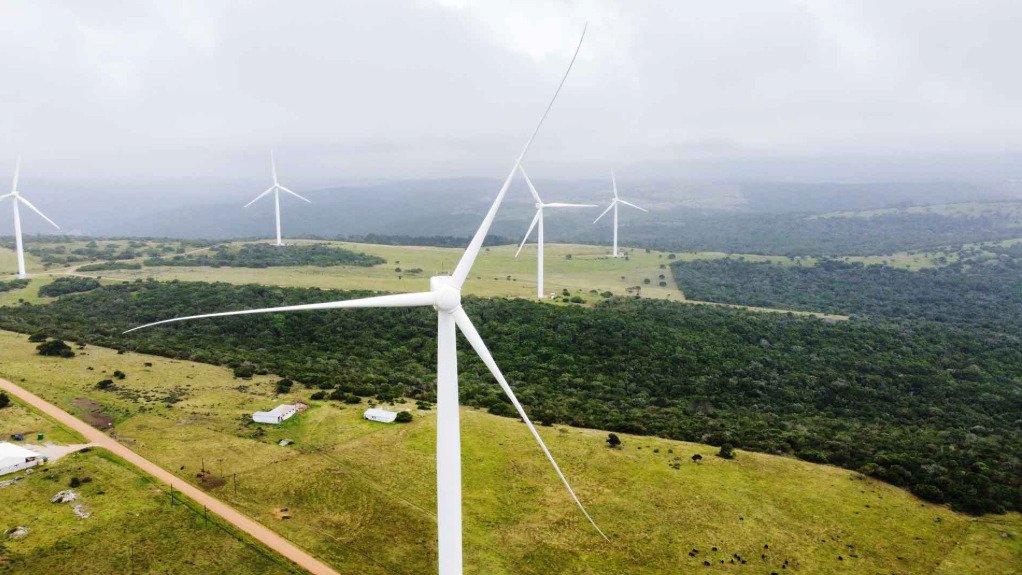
x,y
118,374
5,400
727,451
75,483
55,348
318,395
244,371
65,285
105,384
697,458
284,385
403,417
613,440
37,337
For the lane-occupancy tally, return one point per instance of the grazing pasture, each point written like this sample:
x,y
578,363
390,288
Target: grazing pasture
x,y
361,495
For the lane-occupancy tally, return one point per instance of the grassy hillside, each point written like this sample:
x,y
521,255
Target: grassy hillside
x,y
20,418
132,527
362,495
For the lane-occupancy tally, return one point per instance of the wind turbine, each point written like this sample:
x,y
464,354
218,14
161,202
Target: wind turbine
x,y
613,205
276,188
15,198
444,296
538,220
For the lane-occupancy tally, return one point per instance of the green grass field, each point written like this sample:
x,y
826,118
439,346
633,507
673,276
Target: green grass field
x,y
133,528
20,418
587,273
362,496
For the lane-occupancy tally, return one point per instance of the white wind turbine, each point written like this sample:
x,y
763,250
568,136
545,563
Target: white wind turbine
x,y
276,188
613,206
15,199
445,297
538,220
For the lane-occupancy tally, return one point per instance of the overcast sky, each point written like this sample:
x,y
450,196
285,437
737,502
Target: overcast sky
x,y
347,90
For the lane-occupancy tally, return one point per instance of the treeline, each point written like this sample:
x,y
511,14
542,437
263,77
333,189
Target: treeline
x,y
13,284
429,241
109,266
979,289
801,234
265,255
68,284
928,406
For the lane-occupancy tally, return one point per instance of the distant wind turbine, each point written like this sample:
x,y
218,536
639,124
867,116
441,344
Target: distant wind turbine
x,y
15,199
276,188
445,297
538,220
613,206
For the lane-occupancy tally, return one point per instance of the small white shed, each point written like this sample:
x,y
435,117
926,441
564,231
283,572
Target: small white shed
x,y
275,415
381,415
14,458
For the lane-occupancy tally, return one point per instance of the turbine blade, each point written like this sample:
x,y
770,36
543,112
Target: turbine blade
x,y
605,211
535,220
633,205
294,194
532,188
473,337
614,180
36,210
472,251
273,167
5,196
397,300
17,172
268,190
563,205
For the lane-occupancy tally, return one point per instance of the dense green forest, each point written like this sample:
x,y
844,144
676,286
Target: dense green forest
x,y
929,406
982,287
265,255
800,234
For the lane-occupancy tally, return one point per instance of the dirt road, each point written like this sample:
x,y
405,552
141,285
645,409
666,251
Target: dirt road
x,y
254,529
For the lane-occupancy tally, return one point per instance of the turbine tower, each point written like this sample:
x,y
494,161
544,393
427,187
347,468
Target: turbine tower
x,y
15,199
538,220
444,296
613,206
276,188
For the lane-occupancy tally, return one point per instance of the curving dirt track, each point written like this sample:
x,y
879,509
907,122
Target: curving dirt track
x,y
256,530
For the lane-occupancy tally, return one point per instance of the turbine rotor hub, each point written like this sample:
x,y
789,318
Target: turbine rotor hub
x,y
448,297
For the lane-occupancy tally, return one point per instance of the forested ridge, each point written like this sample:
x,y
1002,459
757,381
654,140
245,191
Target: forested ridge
x,y
793,234
929,406
982,288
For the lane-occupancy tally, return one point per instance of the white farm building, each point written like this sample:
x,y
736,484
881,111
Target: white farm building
x,y
14,458
277,414
381,415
